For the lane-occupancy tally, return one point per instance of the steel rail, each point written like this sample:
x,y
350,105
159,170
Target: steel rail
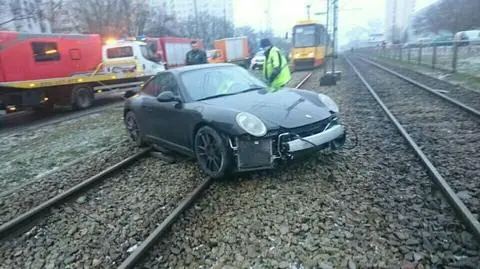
x,y
300,84
162,228
458,206
135,256
425,87
21,220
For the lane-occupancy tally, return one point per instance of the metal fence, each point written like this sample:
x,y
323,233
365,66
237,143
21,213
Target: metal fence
x,y
457,59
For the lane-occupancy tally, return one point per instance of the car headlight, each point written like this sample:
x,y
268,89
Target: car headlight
x,y
251,124
328,102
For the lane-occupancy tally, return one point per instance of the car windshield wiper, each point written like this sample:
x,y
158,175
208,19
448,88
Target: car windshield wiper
x,y
216,95
253,87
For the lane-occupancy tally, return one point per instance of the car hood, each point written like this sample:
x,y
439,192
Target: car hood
x,y
287,108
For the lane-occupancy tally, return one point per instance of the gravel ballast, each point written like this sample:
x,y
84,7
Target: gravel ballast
x,y
101,227
466,96
448,135
19,200
370,206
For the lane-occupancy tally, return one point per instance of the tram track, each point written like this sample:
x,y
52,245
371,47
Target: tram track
x,y
443,135
370,207
60,207
463,98
29,216
155,236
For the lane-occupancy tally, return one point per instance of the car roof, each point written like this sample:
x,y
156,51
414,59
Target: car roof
x,y
186,68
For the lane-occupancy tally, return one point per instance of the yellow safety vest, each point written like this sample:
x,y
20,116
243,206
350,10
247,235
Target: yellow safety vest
x,y
276,59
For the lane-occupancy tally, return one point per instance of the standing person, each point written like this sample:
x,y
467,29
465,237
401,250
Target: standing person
x,y
275,68
196,55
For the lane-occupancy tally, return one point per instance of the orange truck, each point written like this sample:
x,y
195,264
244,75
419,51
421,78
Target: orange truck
x,y
230,50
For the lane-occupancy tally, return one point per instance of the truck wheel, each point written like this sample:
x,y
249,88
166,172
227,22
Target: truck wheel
x,y
82,97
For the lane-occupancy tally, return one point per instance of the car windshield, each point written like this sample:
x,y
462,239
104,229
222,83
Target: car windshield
x,y
216,81
147,52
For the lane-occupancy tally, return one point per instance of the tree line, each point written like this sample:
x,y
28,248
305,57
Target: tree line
x,y
448,15
123,18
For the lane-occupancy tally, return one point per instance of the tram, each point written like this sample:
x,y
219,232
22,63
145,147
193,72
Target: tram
x,y
309,45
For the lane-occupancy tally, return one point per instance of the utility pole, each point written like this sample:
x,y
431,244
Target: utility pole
x,y
334,44
394,20
330,78
268,22
224,20
308,11
196,17
327,36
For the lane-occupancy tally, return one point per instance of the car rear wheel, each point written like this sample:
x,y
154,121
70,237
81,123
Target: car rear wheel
x,y
212,153
133,129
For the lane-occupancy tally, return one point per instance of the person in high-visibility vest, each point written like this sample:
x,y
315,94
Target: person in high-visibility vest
x,y
275,68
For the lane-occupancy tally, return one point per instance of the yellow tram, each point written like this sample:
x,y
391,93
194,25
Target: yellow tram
x,y
308,45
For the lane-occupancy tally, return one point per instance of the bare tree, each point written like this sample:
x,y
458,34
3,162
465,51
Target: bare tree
x,y
251,34
210,28
449,15
160,24
110,17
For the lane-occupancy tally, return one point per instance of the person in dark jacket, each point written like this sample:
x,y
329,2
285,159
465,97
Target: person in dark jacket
x,y
196,55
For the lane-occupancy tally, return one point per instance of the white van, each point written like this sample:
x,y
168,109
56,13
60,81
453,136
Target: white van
x,y
471,37
131,50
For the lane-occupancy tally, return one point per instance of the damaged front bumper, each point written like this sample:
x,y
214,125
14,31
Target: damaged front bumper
x,y
316,140
252,153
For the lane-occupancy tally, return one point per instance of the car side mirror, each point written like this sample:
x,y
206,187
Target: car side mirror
x,y
167,96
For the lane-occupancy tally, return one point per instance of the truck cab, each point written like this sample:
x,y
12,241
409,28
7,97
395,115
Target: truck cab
x,y
131,50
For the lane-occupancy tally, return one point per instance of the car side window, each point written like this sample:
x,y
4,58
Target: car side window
x,y
162,82
152,87
169,83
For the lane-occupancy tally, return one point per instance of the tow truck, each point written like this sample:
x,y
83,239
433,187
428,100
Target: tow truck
x,y
43,70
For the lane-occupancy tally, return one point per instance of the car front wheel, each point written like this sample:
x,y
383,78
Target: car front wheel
x,y
212,153
133,129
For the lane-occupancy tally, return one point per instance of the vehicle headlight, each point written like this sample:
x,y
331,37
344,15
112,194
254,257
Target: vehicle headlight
x,y
328,102
251,124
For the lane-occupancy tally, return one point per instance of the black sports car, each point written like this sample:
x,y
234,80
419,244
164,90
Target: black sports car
x,y
229,120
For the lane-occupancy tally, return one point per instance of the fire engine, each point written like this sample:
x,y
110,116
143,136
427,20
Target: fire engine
x,y
42,70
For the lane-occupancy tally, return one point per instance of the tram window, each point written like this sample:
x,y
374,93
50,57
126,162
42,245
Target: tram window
x,y
305,36
320,34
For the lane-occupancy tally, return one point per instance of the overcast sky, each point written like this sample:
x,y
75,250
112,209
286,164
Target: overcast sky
x,y
286,12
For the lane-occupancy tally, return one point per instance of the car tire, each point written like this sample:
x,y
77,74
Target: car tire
x,y
133,129
212,152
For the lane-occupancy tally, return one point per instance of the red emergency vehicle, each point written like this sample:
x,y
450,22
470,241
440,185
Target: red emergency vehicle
x,y
31,56
172,50
38,70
